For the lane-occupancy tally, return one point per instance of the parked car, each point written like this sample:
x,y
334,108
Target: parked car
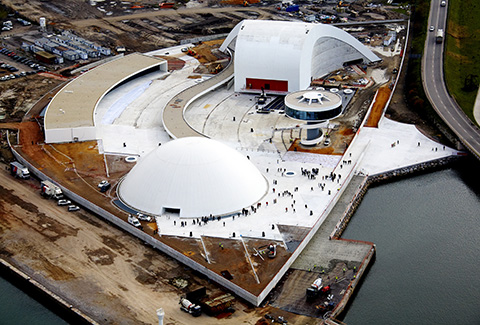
x,y
104,186
144,217
134,221
72,208
64,202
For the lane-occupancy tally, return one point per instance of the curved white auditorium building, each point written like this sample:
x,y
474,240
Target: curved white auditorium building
x,y
282,56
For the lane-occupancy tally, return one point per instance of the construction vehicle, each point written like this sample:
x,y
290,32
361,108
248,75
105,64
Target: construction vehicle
x,y
217,69
190,308
50,190
166,5
316,288
218,305
191,52
212,305
272,250
18,170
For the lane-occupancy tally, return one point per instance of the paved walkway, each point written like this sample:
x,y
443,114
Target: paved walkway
x,y
333,249
173,114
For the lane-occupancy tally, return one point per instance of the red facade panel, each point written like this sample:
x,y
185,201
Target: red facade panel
x,y
258,84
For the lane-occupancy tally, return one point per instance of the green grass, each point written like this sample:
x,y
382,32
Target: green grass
x,y
462,54
415,94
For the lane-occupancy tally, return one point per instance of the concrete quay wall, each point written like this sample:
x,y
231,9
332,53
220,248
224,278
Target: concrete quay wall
x,y
48,297
385,177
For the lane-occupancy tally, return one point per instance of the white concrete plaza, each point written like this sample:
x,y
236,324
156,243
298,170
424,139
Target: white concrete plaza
x,y
131,114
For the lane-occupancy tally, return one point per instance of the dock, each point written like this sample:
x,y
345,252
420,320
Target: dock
x,y
340,263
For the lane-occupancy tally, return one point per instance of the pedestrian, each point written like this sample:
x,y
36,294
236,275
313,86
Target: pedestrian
x,y
224,223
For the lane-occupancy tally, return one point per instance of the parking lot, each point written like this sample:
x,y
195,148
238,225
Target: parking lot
x,y
11,63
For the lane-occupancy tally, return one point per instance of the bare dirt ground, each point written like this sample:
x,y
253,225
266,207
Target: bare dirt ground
x,y
104,272
383,94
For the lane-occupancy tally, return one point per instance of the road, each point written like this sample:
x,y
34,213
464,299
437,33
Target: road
x,y
107,21
436,90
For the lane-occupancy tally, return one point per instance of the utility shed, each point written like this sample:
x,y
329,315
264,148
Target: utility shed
x,y
45,57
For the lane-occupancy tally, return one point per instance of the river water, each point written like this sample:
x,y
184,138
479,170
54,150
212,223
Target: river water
x,y
427,232
16,307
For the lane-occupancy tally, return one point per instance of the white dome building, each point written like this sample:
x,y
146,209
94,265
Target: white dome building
x,y
283,56
193,177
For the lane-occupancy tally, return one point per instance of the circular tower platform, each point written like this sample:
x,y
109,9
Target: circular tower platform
x,y
313,106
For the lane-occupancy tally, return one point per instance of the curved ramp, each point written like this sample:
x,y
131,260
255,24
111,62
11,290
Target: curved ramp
x,y
173,118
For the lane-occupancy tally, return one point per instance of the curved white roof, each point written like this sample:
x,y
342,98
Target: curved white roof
x,y
313,100
290,51
198,176
70,114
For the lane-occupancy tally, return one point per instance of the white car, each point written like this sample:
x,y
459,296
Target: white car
x,y
432,28
102,183
64,202
134,221
72,208
144,217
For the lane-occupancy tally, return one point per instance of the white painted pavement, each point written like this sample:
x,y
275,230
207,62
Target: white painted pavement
x,y
231,118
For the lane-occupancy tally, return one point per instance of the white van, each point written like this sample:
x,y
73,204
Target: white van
x,y
134,221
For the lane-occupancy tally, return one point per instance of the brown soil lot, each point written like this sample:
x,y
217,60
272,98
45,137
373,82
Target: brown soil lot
x,y
383,94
